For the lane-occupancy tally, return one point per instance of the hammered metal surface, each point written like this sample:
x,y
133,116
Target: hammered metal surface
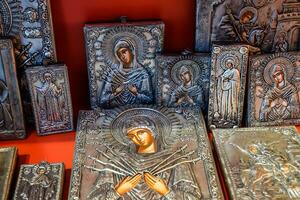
x,y
105,155
11,114
260,163
8,157
30,23
40,181
227,85
121,62
272,25
51,98
274,90
183,80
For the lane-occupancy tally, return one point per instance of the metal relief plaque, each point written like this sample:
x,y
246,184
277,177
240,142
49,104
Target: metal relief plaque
x,y
11,114
121,62
183,81
272,25
30,23
143,153
40,181
8,157
260,163
274,90
51,98
227,85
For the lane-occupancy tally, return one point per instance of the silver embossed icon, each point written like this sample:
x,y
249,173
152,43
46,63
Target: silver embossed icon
x,y
51,99
11,114
8,159
29,23
143,153
272,25
183,81
274,96
40,181
227,87
121,62
260,163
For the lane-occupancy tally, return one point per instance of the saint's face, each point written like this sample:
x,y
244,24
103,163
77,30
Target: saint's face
x,y
125,55
229,65
47,77
246,19
278,77
186,77
141,137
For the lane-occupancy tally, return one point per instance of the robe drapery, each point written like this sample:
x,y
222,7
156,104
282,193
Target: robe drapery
x,y
229,83
287,93
136,76
194,92
48,100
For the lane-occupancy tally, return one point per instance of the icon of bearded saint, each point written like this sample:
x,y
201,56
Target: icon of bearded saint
x,y
147,168
281,101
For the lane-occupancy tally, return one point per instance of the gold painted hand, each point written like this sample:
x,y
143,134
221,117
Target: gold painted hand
x,y
133,89
118,90
156,183
127,184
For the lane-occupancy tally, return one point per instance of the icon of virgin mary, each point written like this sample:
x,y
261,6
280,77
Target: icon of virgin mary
x,y
129,82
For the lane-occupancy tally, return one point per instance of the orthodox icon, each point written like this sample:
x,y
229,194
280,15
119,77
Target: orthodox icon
x,y
183,81
8,159
227,88
143,153
30,24
272,25
40,181
49,87
121,62
274,96
11,114
260,163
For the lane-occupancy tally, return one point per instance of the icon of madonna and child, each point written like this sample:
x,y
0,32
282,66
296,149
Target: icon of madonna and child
x,y
128,82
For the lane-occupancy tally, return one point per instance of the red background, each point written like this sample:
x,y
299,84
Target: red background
x,y
69,17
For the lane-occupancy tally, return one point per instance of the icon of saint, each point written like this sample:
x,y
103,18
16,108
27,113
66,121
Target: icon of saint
x,y
130,82
229,89
41,186
155,172
48,98
188,93
6,120
281,101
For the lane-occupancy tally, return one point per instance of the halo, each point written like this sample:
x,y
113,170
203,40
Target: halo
x,y
288,68
225,57
11,15
44,165
251,9
41,74
154,117
190,64
133,36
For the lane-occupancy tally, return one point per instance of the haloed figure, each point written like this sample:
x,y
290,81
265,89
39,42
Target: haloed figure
x,y
282,101
129,83
49,98
187,94
155,172
229,83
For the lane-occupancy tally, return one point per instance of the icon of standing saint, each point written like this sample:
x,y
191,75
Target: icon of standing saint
x,y
228,93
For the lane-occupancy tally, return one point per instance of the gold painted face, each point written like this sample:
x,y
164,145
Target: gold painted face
x,y
141,136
